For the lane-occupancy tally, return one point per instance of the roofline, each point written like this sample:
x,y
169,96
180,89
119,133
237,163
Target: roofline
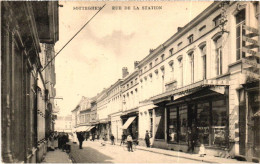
x,y
130,76
212,8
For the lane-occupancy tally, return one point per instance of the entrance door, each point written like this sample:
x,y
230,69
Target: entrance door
x,y
253,123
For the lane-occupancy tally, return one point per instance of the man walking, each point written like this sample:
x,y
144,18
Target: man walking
x,y
123,139
81,139
147,139
112,138
130,143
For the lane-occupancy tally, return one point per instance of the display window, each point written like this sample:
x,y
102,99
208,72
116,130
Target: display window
x,y
173,125
219,122
183,123
203,123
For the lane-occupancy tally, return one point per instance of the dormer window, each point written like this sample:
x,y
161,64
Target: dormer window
x,y
190,39
151,65
162,57
171,51
216,20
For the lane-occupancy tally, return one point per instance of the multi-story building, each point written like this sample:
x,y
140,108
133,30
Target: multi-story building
x,y
115,106
103,129
130,95
26,104
63,124
208,75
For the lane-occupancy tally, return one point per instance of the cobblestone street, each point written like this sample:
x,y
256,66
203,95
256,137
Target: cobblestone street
x,y
93,152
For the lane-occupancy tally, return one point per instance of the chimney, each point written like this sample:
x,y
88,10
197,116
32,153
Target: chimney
x,y
124,72
179,29
136,64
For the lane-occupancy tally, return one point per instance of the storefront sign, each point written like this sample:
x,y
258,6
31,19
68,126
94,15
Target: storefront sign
x,y
254,30
246,50
251,63
247,39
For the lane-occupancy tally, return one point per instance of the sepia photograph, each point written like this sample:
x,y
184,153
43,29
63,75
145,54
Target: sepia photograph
x,y
138,81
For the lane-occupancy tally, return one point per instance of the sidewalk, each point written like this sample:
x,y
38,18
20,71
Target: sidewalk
x,y
57,156
207,158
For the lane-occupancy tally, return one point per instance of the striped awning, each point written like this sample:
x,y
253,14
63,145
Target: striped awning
x,y
128,122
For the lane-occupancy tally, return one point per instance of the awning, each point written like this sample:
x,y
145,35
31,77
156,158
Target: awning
x,y
128,122
82,128
91,127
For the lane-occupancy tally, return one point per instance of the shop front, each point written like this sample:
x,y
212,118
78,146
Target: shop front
x,y
198,113
202,119
130,124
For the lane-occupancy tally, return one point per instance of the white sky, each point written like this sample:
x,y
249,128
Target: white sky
x,y
93,60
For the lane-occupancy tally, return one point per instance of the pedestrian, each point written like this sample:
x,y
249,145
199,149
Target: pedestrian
x,y
81,139
123,138
147,139
129,140
93,137
56,136
112,138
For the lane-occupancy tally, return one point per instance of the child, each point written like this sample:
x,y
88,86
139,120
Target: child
x,y
202,150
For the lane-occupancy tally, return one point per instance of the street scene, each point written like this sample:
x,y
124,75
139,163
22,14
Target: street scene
x,y
130,82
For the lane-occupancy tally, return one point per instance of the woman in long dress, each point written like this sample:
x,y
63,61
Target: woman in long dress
x,y
56,140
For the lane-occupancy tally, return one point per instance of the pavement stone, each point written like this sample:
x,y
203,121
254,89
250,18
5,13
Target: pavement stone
x,y
77,154
57,156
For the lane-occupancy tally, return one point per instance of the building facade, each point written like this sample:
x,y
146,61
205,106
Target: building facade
x,y
26,104
63,124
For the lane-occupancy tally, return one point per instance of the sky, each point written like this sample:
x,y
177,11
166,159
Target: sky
x,y
113,39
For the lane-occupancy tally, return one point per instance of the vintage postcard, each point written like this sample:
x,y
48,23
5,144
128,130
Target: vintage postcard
x,y
130,81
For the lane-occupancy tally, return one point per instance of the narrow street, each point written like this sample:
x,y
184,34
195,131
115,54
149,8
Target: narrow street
x,y
93,152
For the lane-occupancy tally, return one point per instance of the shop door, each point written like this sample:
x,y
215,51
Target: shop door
x,y
253,124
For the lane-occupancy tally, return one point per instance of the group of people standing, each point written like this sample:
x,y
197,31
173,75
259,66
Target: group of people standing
x,y
57,140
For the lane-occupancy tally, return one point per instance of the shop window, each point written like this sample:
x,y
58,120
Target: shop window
x,y
183,124
172,126
219,122
203,123
151,123
240,21
159,124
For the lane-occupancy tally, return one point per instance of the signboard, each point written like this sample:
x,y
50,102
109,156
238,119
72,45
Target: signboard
x,y
246,50
254,30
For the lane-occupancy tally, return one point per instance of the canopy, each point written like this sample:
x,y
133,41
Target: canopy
x,y
82,128
128,122
91,127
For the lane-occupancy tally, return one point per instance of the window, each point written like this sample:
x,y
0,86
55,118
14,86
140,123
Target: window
x,y
219,122
151,65
162,57
141,71
203,122
216,20
171,65
127,86
191,55
173,126
218,43
179,44
240,21
180,71
145,68
171,51
190,39
131,83
183,116
204,61
135,80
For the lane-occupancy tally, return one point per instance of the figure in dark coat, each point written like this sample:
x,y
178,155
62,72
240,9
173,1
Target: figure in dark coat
x,y
147,139
81,139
